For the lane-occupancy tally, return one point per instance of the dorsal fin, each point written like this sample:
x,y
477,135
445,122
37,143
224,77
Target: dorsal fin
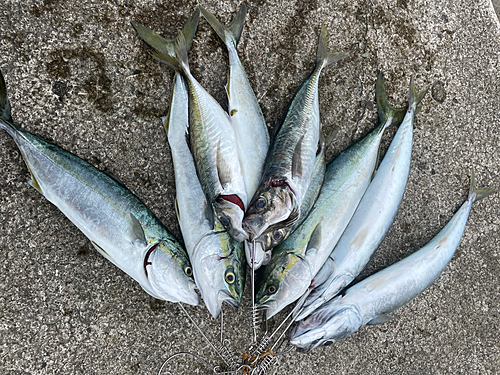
x,y
114,177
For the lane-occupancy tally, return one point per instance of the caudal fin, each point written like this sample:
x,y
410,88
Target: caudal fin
x,y
476,194
232,32
385,111
324,57
172,52
416,98
4,101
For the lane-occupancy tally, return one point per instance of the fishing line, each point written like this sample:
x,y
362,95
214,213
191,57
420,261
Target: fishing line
x,y
201,332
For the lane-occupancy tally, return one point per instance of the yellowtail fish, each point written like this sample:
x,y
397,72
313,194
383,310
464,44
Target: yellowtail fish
x,y
117,223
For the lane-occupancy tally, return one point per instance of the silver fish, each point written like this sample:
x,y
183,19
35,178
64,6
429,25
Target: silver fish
x,y
212,138
217,260
371,300
116,222
373,217
298,259
246,116
292,154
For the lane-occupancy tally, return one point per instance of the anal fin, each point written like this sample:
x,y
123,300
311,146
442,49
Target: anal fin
x,y
100,249
382,318
33,182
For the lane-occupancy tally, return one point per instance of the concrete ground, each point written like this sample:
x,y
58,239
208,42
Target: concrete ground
x,y
79,76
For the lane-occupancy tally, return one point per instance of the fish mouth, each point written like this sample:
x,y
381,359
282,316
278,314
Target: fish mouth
x,y
191,298
254,254
238,234
251,227
228,298
309,340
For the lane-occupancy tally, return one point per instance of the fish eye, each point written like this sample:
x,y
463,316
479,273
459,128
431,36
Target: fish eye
x,y
188,271
260,203
272,289
277,235
224,221
230,277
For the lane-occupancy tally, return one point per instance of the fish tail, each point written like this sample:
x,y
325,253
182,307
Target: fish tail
x,y
384,109
415,98
4,103
5,119
230,33
172,52
476,194
324,57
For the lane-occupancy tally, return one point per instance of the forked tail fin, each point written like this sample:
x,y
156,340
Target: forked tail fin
x,y
324,57
172,52
4,101
232,32
476,194
384,109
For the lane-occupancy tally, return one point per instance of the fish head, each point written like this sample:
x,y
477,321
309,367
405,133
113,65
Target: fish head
x,y
230,214
219,271
327,325
170,274
271,205
284,280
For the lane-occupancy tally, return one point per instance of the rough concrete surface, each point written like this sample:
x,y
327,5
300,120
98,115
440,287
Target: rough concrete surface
x,y
79,76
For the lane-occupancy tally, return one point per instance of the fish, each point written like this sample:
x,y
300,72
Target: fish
x,y
118,224
291,157
246,116
372,300
212,140
217,259
273,237
297,260
374,215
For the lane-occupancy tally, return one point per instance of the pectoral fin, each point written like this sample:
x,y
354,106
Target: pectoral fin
x,y
223,169
137,230
314,241
297,168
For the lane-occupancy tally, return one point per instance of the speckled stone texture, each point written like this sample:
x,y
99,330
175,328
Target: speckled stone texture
x,y
79,76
